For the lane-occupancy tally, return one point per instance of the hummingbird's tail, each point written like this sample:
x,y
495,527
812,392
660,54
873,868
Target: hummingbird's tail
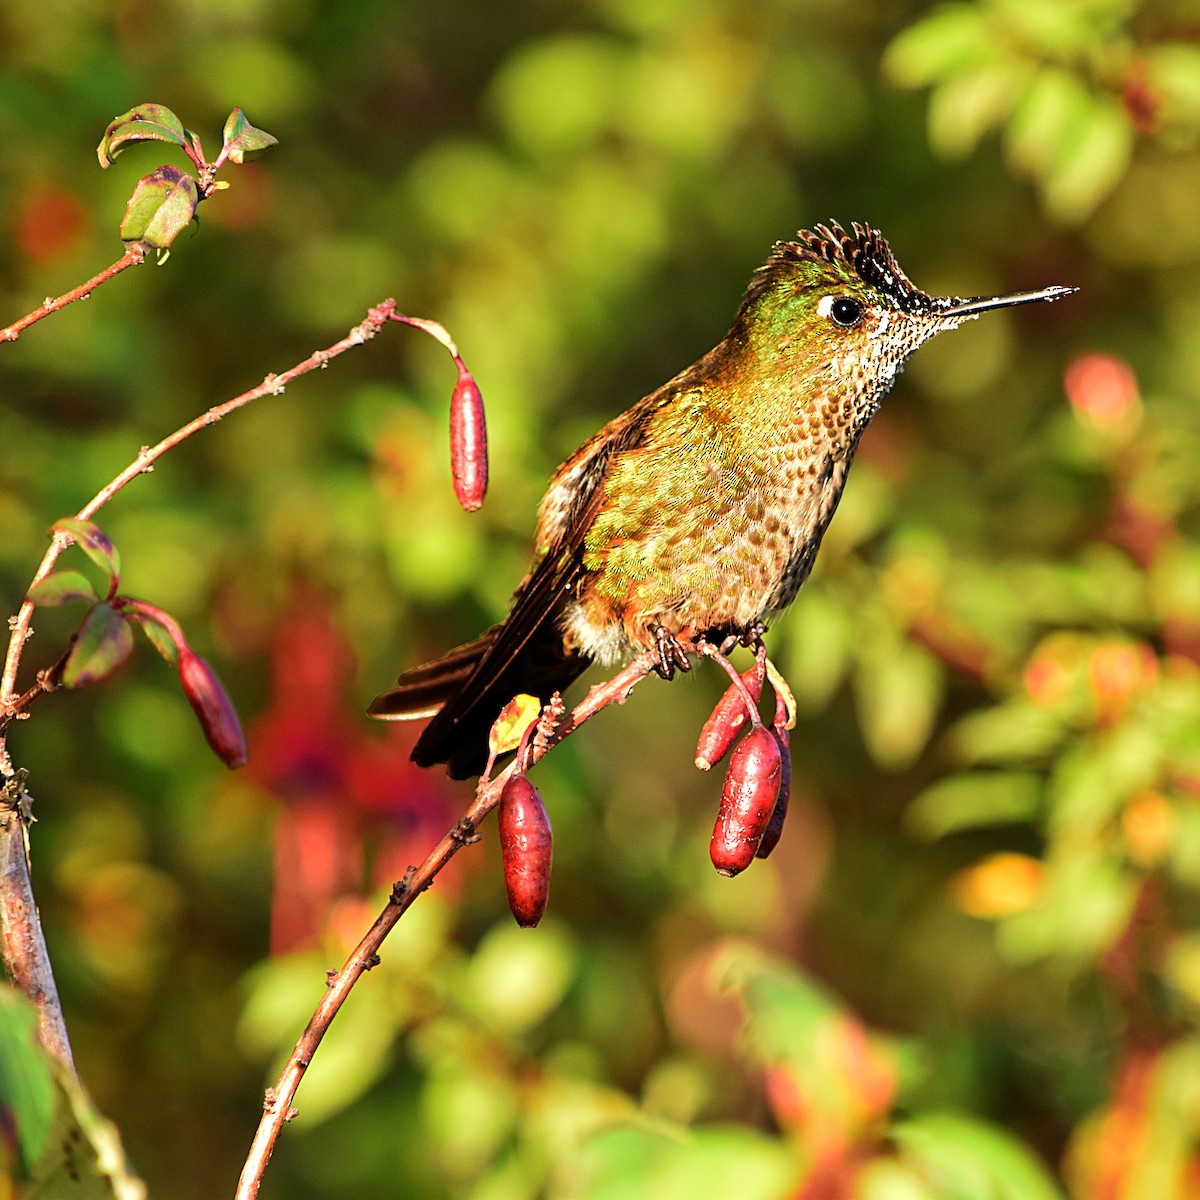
x,y
465,691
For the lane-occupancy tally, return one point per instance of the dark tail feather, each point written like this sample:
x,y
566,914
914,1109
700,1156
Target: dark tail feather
x,y
464,694
422,691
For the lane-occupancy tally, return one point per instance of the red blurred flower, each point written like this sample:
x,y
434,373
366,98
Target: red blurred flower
x,y
1103,391
354,811
48,223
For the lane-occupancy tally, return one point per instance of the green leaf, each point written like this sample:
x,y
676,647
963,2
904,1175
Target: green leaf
x,y
1091,162
1173,74
666,1162
971,1160
1086,903
897,690
95,543
243,142
1012,732
519,980
973,799
965,107
102,644
946,43
1046,120
26,1087
61,587
60,1146
820,632
161,207
145,123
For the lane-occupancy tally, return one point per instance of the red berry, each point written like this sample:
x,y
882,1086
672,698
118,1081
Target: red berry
x,y
468,442
525,847
727,719
212,706
747,801
774,830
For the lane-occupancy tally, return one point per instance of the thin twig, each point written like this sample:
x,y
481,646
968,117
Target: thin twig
x,y
271,385
277,1108
135,255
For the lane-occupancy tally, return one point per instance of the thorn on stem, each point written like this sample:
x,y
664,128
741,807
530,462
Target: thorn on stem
x,y
465,832
402,887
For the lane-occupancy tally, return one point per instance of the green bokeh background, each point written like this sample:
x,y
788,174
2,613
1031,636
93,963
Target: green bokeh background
x,y
579,193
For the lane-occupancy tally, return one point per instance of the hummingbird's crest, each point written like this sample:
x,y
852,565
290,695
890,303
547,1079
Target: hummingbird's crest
x,y
864,250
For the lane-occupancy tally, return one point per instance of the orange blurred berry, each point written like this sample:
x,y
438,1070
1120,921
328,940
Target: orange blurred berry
x,y
1148,825
1117,671
1001,884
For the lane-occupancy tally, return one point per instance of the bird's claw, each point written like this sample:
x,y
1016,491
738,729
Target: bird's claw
x,y
669,653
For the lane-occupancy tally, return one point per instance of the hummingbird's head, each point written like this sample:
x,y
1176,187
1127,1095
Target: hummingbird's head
x,y
841,299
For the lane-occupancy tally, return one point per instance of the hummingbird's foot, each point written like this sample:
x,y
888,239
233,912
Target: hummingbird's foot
x,y
669,653
752,638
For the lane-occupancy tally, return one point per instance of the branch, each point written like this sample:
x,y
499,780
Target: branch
x,y
22,946
22,943
277,1108
135,255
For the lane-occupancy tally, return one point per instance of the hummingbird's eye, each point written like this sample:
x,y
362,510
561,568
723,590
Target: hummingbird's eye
x,y
845,311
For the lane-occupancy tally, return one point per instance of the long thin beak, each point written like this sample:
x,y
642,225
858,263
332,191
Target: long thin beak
x,y
978,304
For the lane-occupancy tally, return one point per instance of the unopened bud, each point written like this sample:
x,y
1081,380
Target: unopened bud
x,y
525,847
468,442
728,718
747,801
213,708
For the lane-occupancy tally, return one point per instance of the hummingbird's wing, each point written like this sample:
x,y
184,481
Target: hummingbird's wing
x,y
525,653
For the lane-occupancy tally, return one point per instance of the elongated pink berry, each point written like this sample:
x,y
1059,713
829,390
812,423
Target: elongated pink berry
x,y
728,718
468,442
525,847
747,801
212,706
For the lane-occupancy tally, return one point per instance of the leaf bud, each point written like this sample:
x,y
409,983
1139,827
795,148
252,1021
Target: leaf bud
x,y
212,706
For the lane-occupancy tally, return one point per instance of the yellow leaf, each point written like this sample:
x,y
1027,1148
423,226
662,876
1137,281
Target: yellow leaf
x,y
515,717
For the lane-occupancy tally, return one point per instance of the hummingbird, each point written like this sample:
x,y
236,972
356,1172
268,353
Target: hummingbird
x,y
698,513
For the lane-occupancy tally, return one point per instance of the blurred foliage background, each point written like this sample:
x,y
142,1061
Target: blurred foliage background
x,y
972,968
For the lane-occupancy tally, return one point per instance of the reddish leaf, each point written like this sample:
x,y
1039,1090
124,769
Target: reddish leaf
x,y
525,846
95,543
145,123
102,644
61,587
161,207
